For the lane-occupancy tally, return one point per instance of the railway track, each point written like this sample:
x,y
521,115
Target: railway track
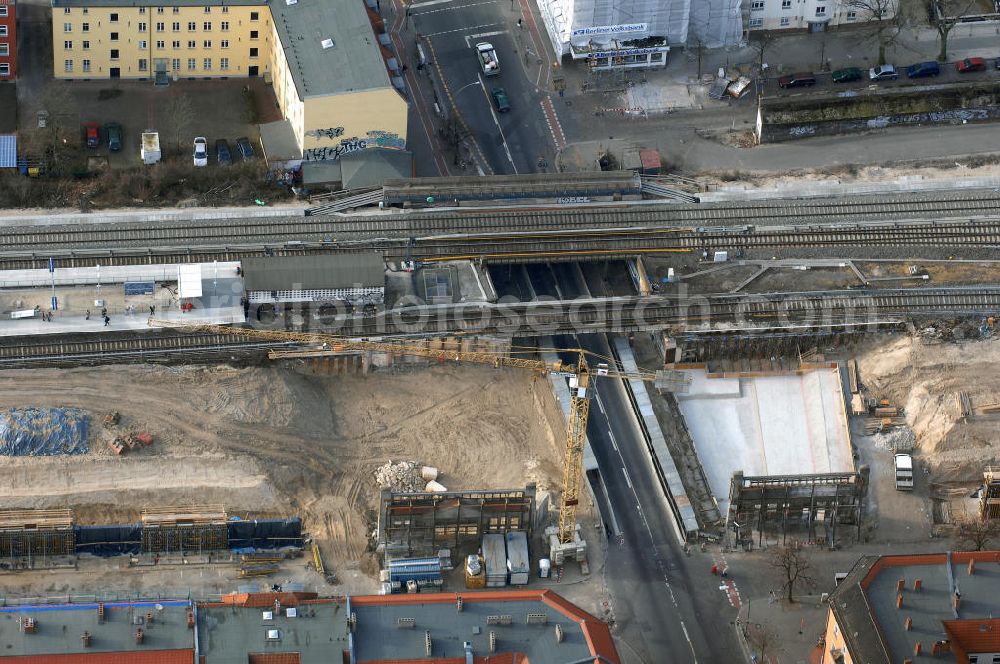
x,y
538,318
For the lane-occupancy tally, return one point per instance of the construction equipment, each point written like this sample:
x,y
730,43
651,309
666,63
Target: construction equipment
x,y
565,541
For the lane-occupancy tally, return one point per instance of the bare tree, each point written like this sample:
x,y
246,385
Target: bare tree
x,y
975,534
761,42
944,24
882,19
762,640
453,132
180,117
794,566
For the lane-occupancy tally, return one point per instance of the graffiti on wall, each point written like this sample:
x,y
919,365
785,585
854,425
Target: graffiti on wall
x,y
330,132
373,139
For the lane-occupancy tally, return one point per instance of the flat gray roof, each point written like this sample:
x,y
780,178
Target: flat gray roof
x,y
59,628
318,633
379,637
353,61
317,272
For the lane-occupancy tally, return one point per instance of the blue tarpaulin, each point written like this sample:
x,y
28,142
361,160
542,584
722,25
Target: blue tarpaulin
x,y
8,151
43,431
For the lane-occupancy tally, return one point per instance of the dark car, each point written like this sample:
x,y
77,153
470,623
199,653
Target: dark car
x,y
92,134
923,69
114,132
971,64
802,79
500,99
222,153
847,75
245,148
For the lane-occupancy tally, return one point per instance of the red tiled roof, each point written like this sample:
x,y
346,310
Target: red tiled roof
x,y
138,657
499,658
972,636
263,600
274,658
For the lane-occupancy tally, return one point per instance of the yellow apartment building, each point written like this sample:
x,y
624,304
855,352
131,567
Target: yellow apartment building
x,y
322,57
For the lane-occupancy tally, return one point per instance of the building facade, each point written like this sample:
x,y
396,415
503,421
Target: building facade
x,y
8,40
330,77
812,15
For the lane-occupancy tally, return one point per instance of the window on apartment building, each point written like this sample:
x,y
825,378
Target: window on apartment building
x,y
143,43
786,4
3,10
755,22
3,30
160,26
225,9
85,27
68,66
177,10
253,53
207,26
175,26
142,10
143,64
86,65
192,26
114,54
224,43
66,10
852,15
160,43
142,26
225,26
175,43
85,10
757,5
4,49
821,10
207,64
86,45
254,34
114,36
192,64
192,43
254,16
206,43
68,45
224,64
159,10
4,69
784,21
208,9
67,27
113,17
175,64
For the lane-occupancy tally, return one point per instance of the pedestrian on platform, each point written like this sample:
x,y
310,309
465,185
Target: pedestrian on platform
x,y
107,321
88,314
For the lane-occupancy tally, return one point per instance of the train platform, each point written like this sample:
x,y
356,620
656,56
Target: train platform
x,y
127,295
152,216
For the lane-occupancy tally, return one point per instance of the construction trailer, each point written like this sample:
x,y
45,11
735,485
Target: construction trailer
x,y
421,524
36,533
775,505
193,529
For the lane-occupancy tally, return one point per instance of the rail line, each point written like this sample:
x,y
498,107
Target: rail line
x,y
540,318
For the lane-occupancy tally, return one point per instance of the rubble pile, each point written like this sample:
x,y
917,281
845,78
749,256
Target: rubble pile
x,y
401,476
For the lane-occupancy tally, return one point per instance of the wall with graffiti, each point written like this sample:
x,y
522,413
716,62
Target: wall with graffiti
x,y
341,124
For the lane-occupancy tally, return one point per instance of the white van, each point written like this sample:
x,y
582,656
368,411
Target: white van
x,y
904,472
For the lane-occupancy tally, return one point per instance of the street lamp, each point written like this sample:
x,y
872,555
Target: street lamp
x,y
468,85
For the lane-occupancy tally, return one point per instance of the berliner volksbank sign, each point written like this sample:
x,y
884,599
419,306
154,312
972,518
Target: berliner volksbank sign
x,y
610,30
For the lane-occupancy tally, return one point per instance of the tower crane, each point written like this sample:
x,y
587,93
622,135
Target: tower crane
x,y
565,541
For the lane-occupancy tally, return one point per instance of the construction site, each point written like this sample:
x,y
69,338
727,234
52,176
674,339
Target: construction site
x,y
535,400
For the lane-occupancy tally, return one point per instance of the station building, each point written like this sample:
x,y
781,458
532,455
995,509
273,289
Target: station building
x,y
337,86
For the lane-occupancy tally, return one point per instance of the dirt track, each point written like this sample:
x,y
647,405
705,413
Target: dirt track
x,y
281,441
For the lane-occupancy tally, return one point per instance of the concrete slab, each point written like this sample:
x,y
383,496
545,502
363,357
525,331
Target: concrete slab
x,y
704,387
774,425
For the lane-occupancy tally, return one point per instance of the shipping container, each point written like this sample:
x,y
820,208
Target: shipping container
x,y
495,560
518,559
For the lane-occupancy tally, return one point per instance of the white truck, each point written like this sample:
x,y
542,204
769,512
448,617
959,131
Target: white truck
x,y
904,472
150,147
488,60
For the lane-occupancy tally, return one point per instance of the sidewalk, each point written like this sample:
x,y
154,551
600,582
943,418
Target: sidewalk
x,y
788,633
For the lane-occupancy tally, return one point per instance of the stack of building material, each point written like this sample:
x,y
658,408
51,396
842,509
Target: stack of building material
x,y
400,477
518,559
474,576
495,560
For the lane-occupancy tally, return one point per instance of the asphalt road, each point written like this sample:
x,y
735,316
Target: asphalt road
x,y
508,143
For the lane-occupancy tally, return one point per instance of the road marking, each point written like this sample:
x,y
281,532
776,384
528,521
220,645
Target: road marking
x,y
600,404
451,9
628,480
471,27
469,38
551,119
417,5
614,443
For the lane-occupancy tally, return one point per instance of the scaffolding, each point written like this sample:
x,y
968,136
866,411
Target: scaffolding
x,y
423,523
193,529
36,533
989,495
776,504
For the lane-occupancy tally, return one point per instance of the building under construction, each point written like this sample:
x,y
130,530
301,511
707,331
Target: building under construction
x,y
423,523
812,507
36,533
184,529
989,495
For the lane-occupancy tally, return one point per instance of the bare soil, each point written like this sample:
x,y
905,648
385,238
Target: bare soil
x,y
280,441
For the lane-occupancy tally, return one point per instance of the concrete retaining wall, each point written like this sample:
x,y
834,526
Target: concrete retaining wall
x,y
856,111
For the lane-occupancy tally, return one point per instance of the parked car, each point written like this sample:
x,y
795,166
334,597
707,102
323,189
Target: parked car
x,y
802,79
847,75
883,73
971,64
500,99
200,151
245,148
92,134
222,153
923,69
997,63
114,132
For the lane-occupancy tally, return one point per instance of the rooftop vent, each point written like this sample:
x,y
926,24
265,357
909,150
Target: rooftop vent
x,y
327,43
291,2
273,635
